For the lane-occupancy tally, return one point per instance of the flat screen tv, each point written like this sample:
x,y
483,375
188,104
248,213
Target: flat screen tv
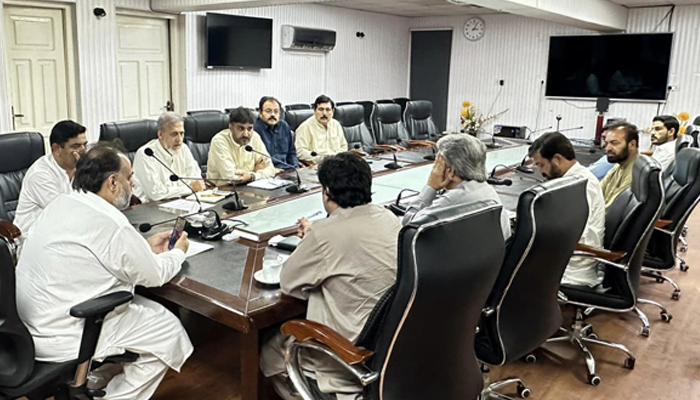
x,y
238,42
625,66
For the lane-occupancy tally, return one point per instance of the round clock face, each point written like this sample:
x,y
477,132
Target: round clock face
x,y
474,29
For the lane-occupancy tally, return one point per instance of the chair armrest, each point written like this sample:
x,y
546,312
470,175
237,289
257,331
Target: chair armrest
x,y
662,223
601,253
9,230
421,143
388,147
100,305
304,330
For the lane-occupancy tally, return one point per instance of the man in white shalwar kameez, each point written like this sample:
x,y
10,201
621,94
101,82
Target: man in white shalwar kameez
x,y
83,247
50,175
151,180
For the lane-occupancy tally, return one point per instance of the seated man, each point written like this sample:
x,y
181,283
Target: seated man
x,y
601,167
50,175
663,137
151,180
343,266
228,157
622,148
320,134
276,134
554,157
83,247
459,170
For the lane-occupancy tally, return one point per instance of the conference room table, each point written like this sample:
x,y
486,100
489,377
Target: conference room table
x,y
219,283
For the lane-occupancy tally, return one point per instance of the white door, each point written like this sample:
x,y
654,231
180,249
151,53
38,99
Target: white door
x,y
143,57
36,57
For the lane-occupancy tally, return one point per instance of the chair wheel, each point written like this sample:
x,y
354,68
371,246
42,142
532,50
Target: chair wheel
x,y
530,359
645,331
676,296
629,363
666,317
523,391
684,267
659,280
592,336
594,380
683,249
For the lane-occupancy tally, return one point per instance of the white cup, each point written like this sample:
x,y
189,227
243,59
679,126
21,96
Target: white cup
x,y
272,267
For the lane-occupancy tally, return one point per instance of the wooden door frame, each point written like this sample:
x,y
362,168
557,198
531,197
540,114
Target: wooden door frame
x,y
70,41
176,43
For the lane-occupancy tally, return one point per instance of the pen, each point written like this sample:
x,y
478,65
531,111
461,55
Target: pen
x,y
317,213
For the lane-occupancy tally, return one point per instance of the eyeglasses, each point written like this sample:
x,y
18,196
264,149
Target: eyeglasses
x,y
271,111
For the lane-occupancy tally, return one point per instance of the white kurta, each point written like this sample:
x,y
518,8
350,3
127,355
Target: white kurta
x,y
45,180
82,248
584,271
152,181
665,153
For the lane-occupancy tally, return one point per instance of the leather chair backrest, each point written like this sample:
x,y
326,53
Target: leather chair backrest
x,y
402,101
385,101
369,109
300,106
387,124
196,112
419,120
132,134
295,117
200,128
551,220
344,103
18,151
352,118
684,141
696,121
693,131
17,346
628,226
447,263
255,111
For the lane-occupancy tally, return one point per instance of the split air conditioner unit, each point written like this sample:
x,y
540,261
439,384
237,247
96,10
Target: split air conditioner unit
x,y
307,39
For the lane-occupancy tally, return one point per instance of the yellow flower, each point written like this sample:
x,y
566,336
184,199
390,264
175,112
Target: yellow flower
x,y
466,104
465,112
683,116
682,130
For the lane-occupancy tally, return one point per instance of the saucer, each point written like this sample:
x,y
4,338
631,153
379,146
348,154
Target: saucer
x,y
260,277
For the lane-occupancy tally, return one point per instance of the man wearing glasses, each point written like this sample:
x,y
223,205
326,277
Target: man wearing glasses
x,y
276,134
320,135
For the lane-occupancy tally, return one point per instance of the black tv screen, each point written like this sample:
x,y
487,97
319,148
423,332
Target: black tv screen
x,y
234,41
629,66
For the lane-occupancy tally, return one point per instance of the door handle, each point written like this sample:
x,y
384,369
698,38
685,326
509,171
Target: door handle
x,y
15,116
169,106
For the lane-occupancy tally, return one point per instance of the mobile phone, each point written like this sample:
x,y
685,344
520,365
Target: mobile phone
x,y
177,232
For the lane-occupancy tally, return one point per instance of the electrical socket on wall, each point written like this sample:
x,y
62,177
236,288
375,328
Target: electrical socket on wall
x,y
674,88
501,82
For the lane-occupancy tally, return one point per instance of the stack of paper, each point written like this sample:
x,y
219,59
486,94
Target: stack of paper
x,y
269,184
185,205
209,196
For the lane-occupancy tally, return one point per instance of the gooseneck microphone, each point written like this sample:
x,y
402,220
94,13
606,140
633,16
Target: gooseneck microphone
x,y
527,139
297,188
149,152
524,169
145,227
431,157
395,163
237,204
494,180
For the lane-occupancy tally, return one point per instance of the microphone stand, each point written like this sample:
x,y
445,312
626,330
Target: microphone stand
x,y
431,157
298,188
493,144
236,205
527,139
522,168
493,180
149,152
395,164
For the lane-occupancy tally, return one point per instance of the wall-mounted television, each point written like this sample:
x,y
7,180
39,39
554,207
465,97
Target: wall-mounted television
x,y
623,66
238,42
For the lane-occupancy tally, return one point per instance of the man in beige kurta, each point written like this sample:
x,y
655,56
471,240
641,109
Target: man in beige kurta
x,y
621,147
228,157
343,266
320,135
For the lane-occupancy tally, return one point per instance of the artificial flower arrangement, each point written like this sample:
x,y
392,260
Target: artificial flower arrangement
x,y
471,120
683,118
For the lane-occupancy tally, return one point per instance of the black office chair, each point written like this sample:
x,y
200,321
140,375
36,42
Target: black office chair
x,y
402,101
352,119
388,127
514,322
369,109
299,106
296,117
343,103
628,226
200,129
682,189
20,374
18,151
196,112
419,120
693,131
385,101
132,134
418,342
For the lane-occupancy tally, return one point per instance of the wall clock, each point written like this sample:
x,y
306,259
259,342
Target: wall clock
x,y
474,29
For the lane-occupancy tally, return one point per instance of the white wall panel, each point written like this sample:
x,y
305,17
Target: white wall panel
x,y
370,68
5,117
143,5
515,49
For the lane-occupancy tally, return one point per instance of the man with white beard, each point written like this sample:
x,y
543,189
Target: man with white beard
x,y
152,181
83,247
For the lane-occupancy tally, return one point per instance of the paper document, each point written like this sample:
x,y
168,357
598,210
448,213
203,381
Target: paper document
x,y
269,183
209,196
185,205
197,248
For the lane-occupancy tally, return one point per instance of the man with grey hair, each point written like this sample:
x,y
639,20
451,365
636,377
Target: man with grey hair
x,y
460,171
152,181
